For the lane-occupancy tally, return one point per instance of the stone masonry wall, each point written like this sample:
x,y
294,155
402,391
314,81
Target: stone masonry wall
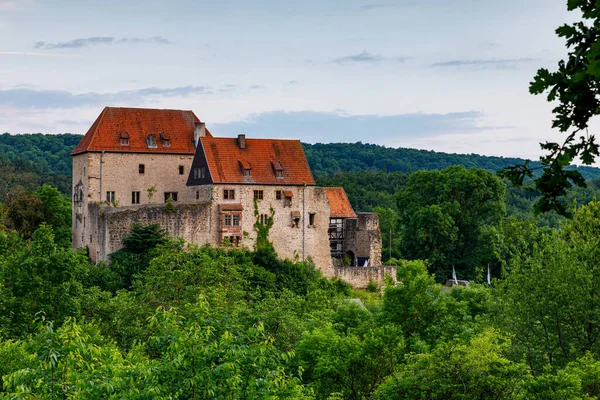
x,y
287,239
359,277
363,237
190,221
80,174
120,174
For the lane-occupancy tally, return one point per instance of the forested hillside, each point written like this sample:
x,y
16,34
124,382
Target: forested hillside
x,y
32,160
167,320
332,158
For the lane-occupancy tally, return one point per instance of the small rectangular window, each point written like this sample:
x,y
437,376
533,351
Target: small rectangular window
x,y
170,195
258,194
197,195
124,141
229,194
142,169
311,219
228,220
236,220
135,197
110,197
264,219
199,173
166,143
246,172
279,174
181,170
278,195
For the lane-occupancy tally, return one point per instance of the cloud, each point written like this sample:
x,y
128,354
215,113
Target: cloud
x,y
16,5
52,99
499,64
365,58
28,53
312,126
227,88
375,6
255,87
97,40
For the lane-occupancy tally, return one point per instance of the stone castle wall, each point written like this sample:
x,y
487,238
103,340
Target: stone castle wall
x,y
359,277
120,174
363,237
288,240
199,222
190,221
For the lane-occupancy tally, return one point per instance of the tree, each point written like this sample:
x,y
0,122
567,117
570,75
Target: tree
x,y
352,364
445,215
477,369
575,85
551,297
23,212
135,255
57,213
41,277
390,235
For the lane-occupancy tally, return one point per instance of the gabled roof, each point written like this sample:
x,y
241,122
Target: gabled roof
x,y
339,204
135,124
225,159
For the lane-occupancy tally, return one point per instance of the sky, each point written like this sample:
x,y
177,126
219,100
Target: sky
x,y
443,75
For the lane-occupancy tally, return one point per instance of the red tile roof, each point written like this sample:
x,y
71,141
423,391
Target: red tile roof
x,y
225,157
136,124
339,204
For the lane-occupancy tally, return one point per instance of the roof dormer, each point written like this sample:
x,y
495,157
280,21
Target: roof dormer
x,y
277,169
165,139
124,138
245,167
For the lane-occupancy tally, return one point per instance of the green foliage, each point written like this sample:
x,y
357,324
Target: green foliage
x,y
151,191
169,320
445,215
328,160
57,213
136,252
25,211
372,287
41,277
574,86
263,244
351,364
169,206
391,238
29,160
477,369
551,297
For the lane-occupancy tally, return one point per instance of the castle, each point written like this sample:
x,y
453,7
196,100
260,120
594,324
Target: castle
x,y
132,161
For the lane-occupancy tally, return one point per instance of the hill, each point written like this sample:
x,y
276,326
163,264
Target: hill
x,y
332,158
32,159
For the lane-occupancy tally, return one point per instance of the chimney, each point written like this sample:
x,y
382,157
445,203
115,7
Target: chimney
x,y
199,131
242,141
